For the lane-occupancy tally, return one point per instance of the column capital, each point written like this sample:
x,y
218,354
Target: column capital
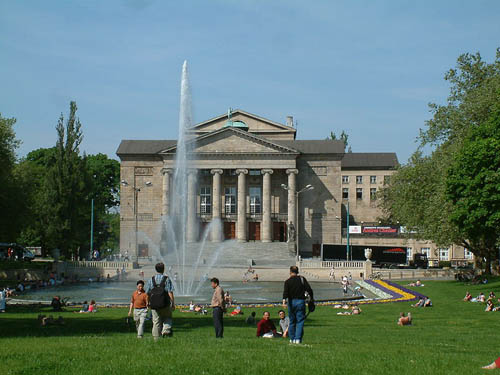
x,y
240,171
167,170
266,171
292,171
214,171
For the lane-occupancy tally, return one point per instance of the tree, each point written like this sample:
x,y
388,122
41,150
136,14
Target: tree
x,y
473,186
344,137
68,188
418,195
11,201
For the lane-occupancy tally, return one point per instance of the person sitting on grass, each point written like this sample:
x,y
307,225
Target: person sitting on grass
x,y
251,319
467,297
284,323
404,320
266,327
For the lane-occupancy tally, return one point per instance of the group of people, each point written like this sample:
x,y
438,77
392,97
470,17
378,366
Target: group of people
x,y
158,295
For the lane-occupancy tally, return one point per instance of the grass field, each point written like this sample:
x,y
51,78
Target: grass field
x,y
453,337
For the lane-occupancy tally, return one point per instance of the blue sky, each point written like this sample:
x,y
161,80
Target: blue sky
x,y
369,67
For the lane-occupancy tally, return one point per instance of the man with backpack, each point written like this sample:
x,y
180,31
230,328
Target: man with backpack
x,y
161,301
296,290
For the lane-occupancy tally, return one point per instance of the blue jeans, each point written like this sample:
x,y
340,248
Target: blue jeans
x,y
297,315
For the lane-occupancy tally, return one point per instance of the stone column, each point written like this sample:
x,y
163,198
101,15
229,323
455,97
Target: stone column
x,y
292,199
266,230
216,204
165,204
191,232
241,225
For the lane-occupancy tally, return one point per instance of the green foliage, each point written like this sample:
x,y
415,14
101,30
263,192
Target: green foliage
x,y
344,137
419,195
473,184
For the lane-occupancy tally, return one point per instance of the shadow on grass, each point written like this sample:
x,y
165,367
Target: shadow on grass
x,y
22,321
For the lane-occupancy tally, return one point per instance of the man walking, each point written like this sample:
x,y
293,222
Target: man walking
x,y
294,291
161,300
139,303
218,306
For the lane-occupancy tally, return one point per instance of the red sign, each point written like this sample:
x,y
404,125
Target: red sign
x,y
380,230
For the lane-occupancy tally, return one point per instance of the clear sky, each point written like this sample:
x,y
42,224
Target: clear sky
x,y
369,67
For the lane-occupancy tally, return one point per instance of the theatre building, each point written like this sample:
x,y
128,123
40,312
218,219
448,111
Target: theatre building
x,y
262,183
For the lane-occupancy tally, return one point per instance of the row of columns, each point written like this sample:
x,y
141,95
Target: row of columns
x,y
241,223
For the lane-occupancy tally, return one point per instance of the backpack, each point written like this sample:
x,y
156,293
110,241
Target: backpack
x,y
158,297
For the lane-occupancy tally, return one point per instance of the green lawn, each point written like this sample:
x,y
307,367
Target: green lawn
x,y
453,337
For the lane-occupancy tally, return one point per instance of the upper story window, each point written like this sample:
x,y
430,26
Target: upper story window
x,y
359,179
255,199
359,193
230,200
373,179
345,193
205,200
345,179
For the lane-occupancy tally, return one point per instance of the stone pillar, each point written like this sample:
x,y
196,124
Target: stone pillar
x,y
292,201
241,226
267,229
191,232
165,204
216,204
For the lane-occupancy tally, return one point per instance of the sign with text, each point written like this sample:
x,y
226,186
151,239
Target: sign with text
x,y
354,228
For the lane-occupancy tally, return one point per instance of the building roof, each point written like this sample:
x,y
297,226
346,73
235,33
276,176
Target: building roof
x,y
370,160
315,146
141,147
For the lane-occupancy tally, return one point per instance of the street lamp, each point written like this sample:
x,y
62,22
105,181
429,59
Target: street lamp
x,y
306,188
136,195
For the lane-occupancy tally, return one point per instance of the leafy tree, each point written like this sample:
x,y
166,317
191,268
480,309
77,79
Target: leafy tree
x,y
344,137
10,191
68,188
418,195
473,186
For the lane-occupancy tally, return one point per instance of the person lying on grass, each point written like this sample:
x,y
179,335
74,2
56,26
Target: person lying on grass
x,y
266,327
404,320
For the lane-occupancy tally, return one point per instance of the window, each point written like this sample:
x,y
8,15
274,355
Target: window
x,y
426,251
468,254
373,194
359,179
359,193
373,179
444,254
345,179
387,180
254,172
345,193
409,255
230,200
255,199
205,200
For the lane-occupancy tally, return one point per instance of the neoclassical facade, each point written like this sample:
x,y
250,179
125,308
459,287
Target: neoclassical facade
x,y
254,176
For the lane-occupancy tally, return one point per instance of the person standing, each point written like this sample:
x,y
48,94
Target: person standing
x,y
139,303
161,300
294,292
218,305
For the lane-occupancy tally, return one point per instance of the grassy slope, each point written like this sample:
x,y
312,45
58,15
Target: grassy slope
x,y
454,337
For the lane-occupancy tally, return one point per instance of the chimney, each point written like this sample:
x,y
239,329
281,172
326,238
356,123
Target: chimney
x,y
289,121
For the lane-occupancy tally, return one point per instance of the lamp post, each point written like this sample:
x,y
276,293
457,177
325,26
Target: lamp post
x,y
296,193
136,196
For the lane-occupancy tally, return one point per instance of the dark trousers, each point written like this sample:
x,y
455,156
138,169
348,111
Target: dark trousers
x,y
218,323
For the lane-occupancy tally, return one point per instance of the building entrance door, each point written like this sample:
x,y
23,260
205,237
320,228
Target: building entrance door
x,y
279,231
253,231
229,230
143,250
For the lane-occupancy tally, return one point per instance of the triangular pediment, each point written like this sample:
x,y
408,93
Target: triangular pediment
x,y
233,141
256,124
